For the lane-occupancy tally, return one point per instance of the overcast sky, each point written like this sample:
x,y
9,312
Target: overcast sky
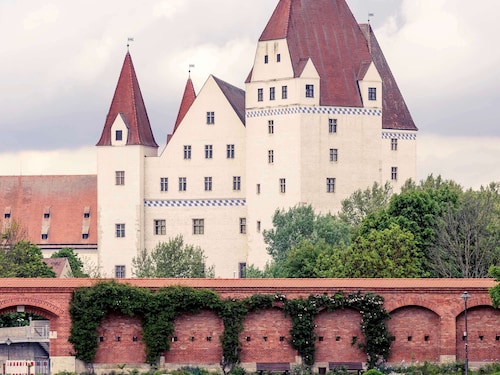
x,y
60,62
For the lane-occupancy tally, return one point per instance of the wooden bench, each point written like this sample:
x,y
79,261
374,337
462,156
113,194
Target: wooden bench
x,y
270,367
350,366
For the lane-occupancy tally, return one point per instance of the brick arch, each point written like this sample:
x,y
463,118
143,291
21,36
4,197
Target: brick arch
x,y
336,331
265,337
32,305
483,322
405,300
416,333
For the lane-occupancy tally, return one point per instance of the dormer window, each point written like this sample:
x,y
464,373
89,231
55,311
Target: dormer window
x,y
46,213
86,212
7,213
119,135
372,93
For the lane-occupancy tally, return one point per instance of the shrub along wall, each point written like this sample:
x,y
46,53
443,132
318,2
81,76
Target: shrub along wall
x,y
159,310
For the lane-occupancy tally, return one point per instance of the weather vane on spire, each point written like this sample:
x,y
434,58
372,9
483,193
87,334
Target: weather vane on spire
x,y
189,71
129,39
370,15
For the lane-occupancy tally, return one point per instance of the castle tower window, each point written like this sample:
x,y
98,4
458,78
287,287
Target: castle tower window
x,y
119,177
230,151
187,152
372,93
198,226
120,272
334,154
208,183
210,118
270,126
394,144
270,156
164,184
282,185
260,95
236,183
278,57
160,227
330,185
272,93
266,59
182,184
394,173
120,230
284,92
243,225
332,125
309,91
209,152
118,135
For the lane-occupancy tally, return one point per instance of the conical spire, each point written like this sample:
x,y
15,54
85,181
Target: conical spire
x,y
187,100
128,102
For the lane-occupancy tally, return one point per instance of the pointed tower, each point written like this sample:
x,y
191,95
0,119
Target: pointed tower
x,y
324,117
125,141
186,102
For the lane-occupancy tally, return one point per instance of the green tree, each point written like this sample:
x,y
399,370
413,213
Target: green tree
x,y
172,259
300,223
11,232
75,262
309,260
23,260
495,291
391,252
365,202
468,235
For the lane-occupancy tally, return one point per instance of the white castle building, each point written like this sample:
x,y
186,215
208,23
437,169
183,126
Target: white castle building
x,y
320,117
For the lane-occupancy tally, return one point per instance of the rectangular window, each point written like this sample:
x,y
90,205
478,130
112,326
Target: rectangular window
x,y
85,236
394,173
208,151
120,272
120,230
272,93
210,118
270,126
282,185
45,236
164,184
330,185
284,92
230,151
372,93
198,226
119,177
258,188
309,91
182,184
118,135
258,226
394,144
243,270
266,59
260,95
243,225
270,156
334,154
236,183
187,152
208,183
332,125
278,57
160,227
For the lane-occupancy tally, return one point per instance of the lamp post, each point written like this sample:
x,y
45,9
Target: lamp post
x,y
465,296
8,342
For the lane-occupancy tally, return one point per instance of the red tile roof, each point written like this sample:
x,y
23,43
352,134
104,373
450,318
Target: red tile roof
x,y
128,102
63,198
326,32
186,102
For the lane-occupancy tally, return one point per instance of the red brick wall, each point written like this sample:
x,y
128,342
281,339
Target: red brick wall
x,y
336,331
196,339
483,325
416,334
120,340
268,337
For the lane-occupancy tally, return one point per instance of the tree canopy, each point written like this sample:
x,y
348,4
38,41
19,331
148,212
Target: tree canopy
x,y
173,258
23,260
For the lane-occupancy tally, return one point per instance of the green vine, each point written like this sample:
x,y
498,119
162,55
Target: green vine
x,y
158,311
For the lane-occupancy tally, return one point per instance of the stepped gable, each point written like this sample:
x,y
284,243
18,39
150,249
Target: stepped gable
x,y
326,32
128,102
235,96
395,114
26,200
